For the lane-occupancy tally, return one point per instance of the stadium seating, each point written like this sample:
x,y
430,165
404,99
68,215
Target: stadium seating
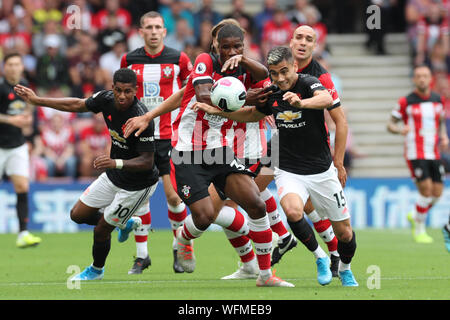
x,y
371,86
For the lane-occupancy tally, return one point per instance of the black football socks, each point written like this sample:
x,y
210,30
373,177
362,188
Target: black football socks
x,y
22,210
303,231
100,251
347,250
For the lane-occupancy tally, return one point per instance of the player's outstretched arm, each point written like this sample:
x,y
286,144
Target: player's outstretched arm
x,y
321,100
62,104
143,162
249,114
139,124
257,70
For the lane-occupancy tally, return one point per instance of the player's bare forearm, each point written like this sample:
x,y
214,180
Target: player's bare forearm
x,y
340,142
395,128
4,118
143,162
20,120
171,103
444,140
248,114
61,104
139,124
203,93
321,100
257,70
338,116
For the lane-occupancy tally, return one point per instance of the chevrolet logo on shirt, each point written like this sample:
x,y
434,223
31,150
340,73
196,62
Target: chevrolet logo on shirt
x,y
289,116
116,136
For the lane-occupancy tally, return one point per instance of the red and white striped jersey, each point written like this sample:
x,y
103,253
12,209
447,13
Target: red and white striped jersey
x,y
197,130
158,77
422,115
249,140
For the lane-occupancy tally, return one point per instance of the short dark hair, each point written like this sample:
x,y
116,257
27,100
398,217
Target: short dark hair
x,y
11,55
278,54
230,31
150,14
222,23
125,75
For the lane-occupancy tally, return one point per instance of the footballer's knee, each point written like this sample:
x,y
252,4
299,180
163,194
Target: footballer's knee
x,y
203,221
75,215
20,184
256,208
293,213
344,234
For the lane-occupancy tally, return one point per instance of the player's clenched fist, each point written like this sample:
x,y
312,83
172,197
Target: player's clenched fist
x,y
293,99
104,162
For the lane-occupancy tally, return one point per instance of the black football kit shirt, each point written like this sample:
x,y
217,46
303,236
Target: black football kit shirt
x,y
121,148
11,104
303,143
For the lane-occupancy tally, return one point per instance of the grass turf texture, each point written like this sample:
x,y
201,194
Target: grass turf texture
x,y
408,270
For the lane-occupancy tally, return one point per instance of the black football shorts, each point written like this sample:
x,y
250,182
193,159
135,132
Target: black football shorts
x,y
196,170
252,165
423,169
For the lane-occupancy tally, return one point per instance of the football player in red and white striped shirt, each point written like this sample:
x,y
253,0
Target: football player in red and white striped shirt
x,y
424,128
189,137
250,145
160,72
209,137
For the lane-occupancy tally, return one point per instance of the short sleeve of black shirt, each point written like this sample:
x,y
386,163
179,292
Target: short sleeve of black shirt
x,y
11,104
97,101
310,84
146,140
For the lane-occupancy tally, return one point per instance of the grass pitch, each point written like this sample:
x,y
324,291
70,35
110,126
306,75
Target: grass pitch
x,y
388,261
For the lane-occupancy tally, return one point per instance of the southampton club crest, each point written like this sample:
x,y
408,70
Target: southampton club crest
x,y
186,190
167,72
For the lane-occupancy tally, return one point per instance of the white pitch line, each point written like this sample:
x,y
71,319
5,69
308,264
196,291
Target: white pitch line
x,y
6,284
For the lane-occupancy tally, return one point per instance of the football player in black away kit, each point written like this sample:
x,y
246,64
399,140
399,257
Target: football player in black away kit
x,y
305,169
122,193
302,44
14,157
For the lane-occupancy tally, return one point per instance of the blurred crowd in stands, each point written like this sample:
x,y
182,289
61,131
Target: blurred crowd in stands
x,y
64,56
